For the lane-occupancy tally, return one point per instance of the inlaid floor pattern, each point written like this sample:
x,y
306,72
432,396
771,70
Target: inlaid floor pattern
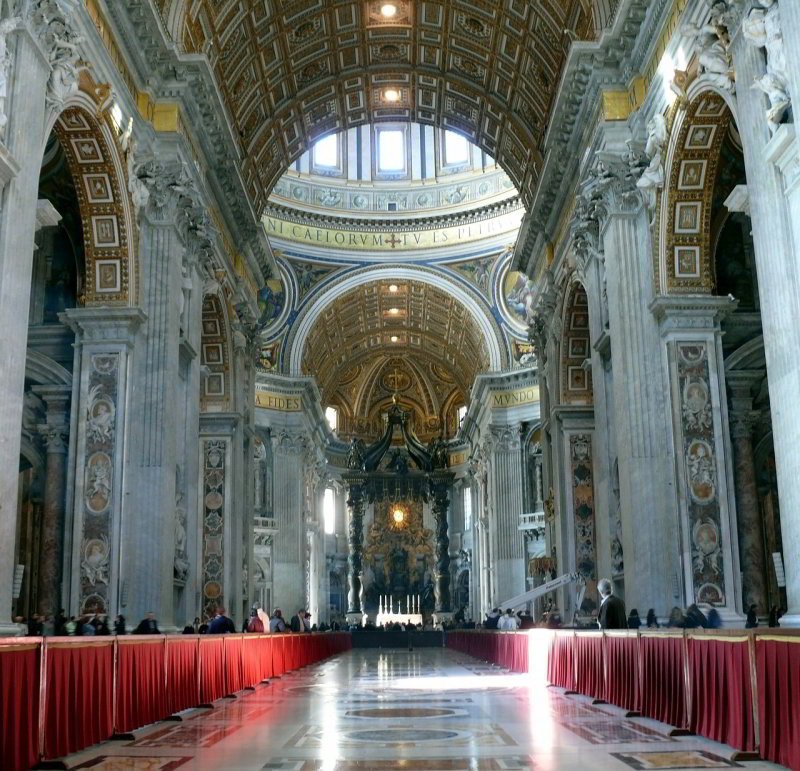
x,y
430,709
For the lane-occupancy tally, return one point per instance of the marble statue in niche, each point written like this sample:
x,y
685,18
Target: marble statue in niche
x,y
762,28
652,178
181,558
711,43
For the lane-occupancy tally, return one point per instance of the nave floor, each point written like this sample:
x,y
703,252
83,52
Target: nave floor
x,y
430,709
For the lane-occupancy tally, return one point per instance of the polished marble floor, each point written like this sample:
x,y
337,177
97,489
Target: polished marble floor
x,y
429,709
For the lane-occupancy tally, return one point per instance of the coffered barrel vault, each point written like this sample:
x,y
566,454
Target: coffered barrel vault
x,y
291,72
404,336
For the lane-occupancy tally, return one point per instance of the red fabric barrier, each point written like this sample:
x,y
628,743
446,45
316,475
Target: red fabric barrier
x,y
212,668
622,670
142,693
278,659
778,676
251,661
589,664
232,656
560,661
92,687
662,686
78,694
721,698
183,687
519,659
19,702
265,657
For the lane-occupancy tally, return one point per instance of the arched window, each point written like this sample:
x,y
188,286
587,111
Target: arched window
x,y
329,511
332,416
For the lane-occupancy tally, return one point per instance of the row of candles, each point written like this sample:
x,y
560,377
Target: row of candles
x,y
386,604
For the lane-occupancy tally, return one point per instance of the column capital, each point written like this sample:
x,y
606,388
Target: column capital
x,y
54,437
104,325
503,438
167,193
610,187
744,423
682,313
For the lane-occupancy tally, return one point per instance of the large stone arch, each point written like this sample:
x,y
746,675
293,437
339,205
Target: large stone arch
x,y
496,345
575,378
89,142
216,390
685,249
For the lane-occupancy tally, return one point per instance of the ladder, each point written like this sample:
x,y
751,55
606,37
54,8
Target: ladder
x,y
550,586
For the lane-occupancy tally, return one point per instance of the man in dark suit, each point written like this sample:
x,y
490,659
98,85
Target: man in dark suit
x,y
612,608
147,625
298,622
221,624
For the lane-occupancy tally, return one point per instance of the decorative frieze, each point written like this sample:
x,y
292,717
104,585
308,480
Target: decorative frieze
x,y
582,483
700,464
214,489
99,480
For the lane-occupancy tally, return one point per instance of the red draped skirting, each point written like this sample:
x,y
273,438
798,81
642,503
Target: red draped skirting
x,y
622,670
589,664
142,693
212,668
183,674
778,677
78,688
19,703
662,685
721,697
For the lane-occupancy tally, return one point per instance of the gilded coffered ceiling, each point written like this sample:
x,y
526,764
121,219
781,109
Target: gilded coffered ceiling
x,y
416,341
289,72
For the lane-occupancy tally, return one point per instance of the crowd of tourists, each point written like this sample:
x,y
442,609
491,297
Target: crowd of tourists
x,y
91,624
612,615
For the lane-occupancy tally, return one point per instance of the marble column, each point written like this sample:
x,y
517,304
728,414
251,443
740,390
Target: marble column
x,y
20,165
289,542
640,397
439,492
54,433
773,182
506,553
159,397
355,542
744,419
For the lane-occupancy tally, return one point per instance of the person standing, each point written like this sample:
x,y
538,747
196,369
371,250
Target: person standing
x,y
507,622
148,625
752,618
221,624
299,621
612,608
276,623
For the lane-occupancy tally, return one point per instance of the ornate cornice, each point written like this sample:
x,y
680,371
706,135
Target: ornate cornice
x,y
613,61
481,214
